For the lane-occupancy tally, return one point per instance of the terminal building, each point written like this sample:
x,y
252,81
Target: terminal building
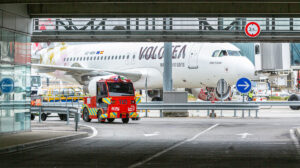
x,y
15,61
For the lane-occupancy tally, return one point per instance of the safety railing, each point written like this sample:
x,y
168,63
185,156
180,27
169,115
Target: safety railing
x,y
43,110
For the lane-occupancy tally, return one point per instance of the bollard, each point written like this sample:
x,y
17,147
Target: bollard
x,y
249,113
76,120
161,113
243,115
40,113
68,115
213,113
221,113
207,113
234,114
256,111
146,114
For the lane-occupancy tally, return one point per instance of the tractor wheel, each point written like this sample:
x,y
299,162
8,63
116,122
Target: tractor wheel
x,y
294,97
125,120
110,120
43,116
86,117
32,116
99,113
63,117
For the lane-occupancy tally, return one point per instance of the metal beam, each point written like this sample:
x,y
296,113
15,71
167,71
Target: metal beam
x,y
167,9
142,1
174,36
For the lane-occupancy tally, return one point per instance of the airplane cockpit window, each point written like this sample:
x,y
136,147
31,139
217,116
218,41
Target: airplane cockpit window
x,y
95,58
87,58
80,58
77,58
108,57
123,56
216,53
233,53
112,57
120,57
98,58
127,56
83,58
223,53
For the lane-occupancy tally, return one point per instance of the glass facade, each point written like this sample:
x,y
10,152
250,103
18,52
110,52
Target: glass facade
x,y
14,64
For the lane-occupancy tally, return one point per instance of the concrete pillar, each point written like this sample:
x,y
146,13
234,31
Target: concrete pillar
x,y
167,76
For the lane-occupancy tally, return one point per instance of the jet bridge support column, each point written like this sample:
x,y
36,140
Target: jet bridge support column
x,y
167,76
170,96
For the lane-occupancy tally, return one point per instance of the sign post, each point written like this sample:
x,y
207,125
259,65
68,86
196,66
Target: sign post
x,y
252,29
243,85
6,85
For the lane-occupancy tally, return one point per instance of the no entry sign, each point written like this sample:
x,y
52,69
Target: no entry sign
x,y
252,29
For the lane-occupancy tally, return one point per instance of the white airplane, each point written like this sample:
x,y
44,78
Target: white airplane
x,y
195,65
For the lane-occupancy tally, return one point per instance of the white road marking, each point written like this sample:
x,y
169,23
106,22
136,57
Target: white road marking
x,y
295,140
172,147
244,135
153,134
95,132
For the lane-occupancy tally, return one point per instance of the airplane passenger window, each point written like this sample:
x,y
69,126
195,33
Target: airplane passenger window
x,y
112,57
127,56
64,59
104,58
77,58
101,58
108,57
133,57
83,58
123,56
223,53
80,58
98,58
94,58
87,58
120,57
215,53
91,58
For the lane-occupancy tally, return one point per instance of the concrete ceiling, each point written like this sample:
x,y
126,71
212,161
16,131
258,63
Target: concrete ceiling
x,y
160,8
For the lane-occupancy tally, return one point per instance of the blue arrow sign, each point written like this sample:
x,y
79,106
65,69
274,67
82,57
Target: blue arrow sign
x,y
6,85
243,85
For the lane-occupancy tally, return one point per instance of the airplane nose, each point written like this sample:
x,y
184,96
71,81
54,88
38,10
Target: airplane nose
x,y
246,69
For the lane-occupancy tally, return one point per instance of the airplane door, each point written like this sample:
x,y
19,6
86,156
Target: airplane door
x,y
193,61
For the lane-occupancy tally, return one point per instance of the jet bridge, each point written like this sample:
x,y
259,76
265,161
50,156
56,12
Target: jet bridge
x,y
192,29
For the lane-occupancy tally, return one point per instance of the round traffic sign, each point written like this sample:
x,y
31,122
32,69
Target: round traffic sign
x,y
252,29
243,85
6,85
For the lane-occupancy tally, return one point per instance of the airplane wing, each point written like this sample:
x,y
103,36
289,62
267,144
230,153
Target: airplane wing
x,y
134,76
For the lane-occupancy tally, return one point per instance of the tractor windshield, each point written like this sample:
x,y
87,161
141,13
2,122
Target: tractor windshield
x,y
120,89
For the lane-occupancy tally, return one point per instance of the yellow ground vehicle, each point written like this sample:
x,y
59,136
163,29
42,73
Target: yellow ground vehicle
x,y
63,94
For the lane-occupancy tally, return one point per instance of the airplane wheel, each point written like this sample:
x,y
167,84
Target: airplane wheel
x,y
86,117
32,116
44,117
125,120
110,120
